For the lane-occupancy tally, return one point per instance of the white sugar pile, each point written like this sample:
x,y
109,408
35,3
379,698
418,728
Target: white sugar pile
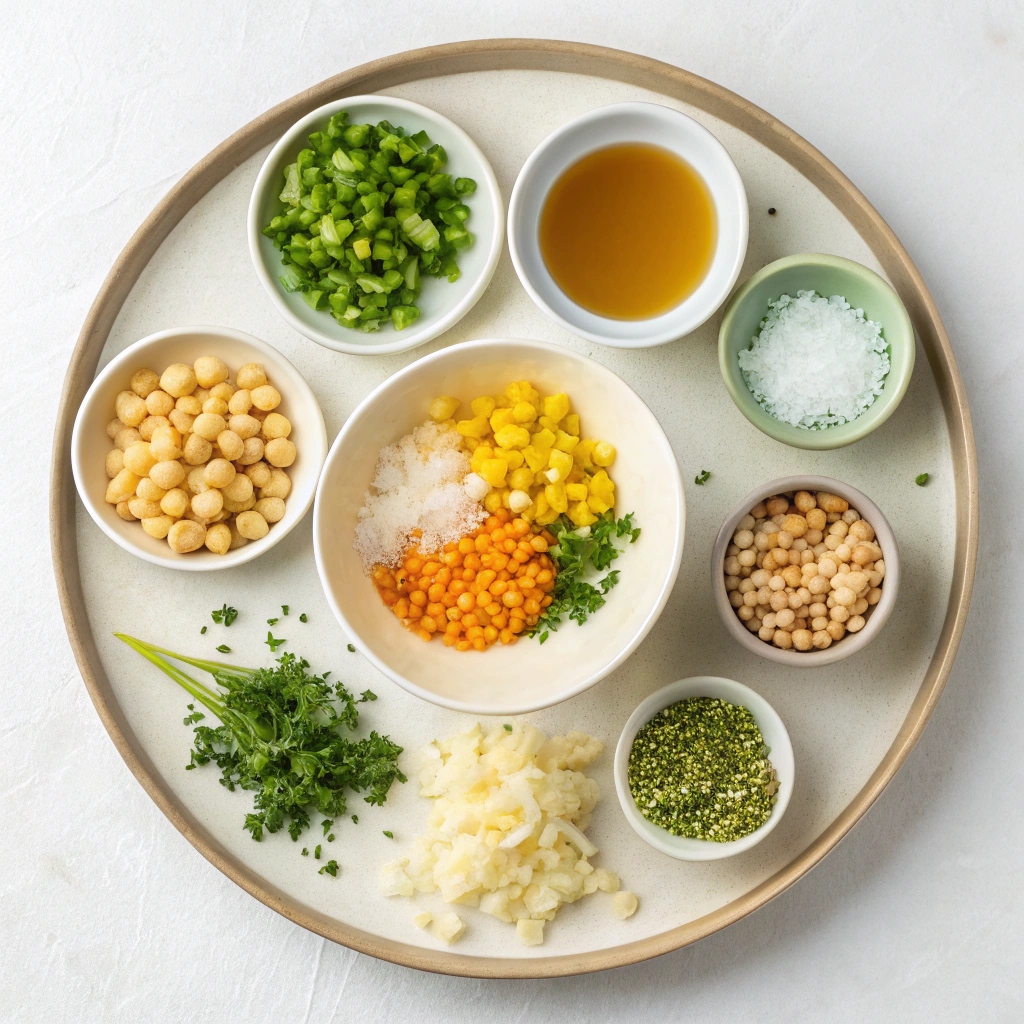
x,y
419,484
817,362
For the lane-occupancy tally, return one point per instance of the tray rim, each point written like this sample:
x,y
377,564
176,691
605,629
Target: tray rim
x,y
535,55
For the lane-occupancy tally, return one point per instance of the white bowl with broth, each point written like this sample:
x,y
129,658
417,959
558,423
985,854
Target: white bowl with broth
x,y
525,676
647,126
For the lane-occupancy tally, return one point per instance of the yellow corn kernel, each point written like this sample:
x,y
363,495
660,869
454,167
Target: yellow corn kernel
x,y
522,479
529,513
556,406
536,458
506,495
444,408
483,406
548,423
547,518
540,505
561,462
501,401
481,453
596,505
512,437
543,440
576,492
565,442
522,391
524,412
581,515
476,427
501,418
493,471
604,453
555,493
601,484
571,424
583,454
576,476
493,501
515,458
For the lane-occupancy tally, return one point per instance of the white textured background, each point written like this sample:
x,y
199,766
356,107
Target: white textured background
x,y
107,914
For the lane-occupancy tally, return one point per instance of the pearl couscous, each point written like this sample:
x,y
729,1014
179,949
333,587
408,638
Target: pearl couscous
x,y
198,461
803,570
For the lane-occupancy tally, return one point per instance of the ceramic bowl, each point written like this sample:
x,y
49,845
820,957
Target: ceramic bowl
x,y
524,676
827,275
441,304
775,737
606,126
875,617
90,444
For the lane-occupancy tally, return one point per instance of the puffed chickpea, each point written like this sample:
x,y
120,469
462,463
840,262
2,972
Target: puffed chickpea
x,y
874,595
126,437
804,501
216,406
855,623
178,379
159,403
746,523
278,486
174,502
782,639
189,404
251,375
144,383
747,586
850,516
732,566
742,538
843,552
860,607
122,509
157,526
194,482
218,539
208,504
272,509
139,458
238,489
209,425
765,633
266,397
777,505
252,525
821,640
197,450
240,402
832,502
131,410
803,639
276,425
149,490
218,473
259,474
167,474
818,622
779,601
784,618
230,444
181,421
792,576
252,451
114,427
186,535
745,612
114,462
239,506
838,529
747,558
836,630
150,425
210,370
237,540
816,519
122,487
223,391
784,540
281,453
795,525
143,509
245,426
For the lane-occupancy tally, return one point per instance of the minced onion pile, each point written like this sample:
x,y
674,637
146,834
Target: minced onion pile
x,y
700,769
816,362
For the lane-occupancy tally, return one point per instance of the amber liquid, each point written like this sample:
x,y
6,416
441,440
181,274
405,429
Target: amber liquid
x,y
628,231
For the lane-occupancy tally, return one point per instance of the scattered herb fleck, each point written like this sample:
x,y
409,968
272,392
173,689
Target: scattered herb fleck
x,y
273,643
284,609
330,868
508,728
224,615
273,622
390,835
196,716
327,823
303,617
576,552
202,631
921,479
223,648
316,852
305,851
355,819
330,838
700,769
702,477
351,648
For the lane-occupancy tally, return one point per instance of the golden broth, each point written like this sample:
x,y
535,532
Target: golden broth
x,y
628,231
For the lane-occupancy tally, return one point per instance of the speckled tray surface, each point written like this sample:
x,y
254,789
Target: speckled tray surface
x,y
851,724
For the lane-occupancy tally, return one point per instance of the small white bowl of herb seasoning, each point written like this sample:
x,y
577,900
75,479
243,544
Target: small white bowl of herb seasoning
x,y
704,769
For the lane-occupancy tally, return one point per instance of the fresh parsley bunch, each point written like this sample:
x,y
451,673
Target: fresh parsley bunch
x,y
281,737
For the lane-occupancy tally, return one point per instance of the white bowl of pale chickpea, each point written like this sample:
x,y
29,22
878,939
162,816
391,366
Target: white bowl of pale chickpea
x,y
805,571
198,448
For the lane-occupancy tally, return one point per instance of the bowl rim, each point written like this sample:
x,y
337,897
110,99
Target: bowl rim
x,y
680,847
299,391
668,333
899,333
406,683
852,642
411,337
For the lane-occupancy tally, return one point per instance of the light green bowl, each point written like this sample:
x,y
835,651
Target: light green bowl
x,y
827,275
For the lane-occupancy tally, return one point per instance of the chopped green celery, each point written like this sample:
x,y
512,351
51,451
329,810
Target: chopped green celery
x,y
374,201
370,283
339,276
400,175
360,158
381,251
352,313
316,298
320,260
355,265
294,278
306,218
392,279
450,269
407,149
405,197
336,125
290,193
356,135
425,235
361,248
408,218
412,275
440,185
341,160
402,316
465,186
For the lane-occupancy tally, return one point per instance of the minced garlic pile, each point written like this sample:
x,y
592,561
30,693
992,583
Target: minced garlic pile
x,y
506,830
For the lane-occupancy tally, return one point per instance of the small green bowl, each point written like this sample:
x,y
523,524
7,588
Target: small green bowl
x,y
827,275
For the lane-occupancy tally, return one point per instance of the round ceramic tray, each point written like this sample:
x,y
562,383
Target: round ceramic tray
x,y
852,723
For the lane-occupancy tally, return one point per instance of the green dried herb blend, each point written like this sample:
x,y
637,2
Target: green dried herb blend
x,y
700,769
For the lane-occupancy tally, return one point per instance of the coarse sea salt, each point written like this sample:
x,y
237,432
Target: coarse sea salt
x,y
816,362
421,483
